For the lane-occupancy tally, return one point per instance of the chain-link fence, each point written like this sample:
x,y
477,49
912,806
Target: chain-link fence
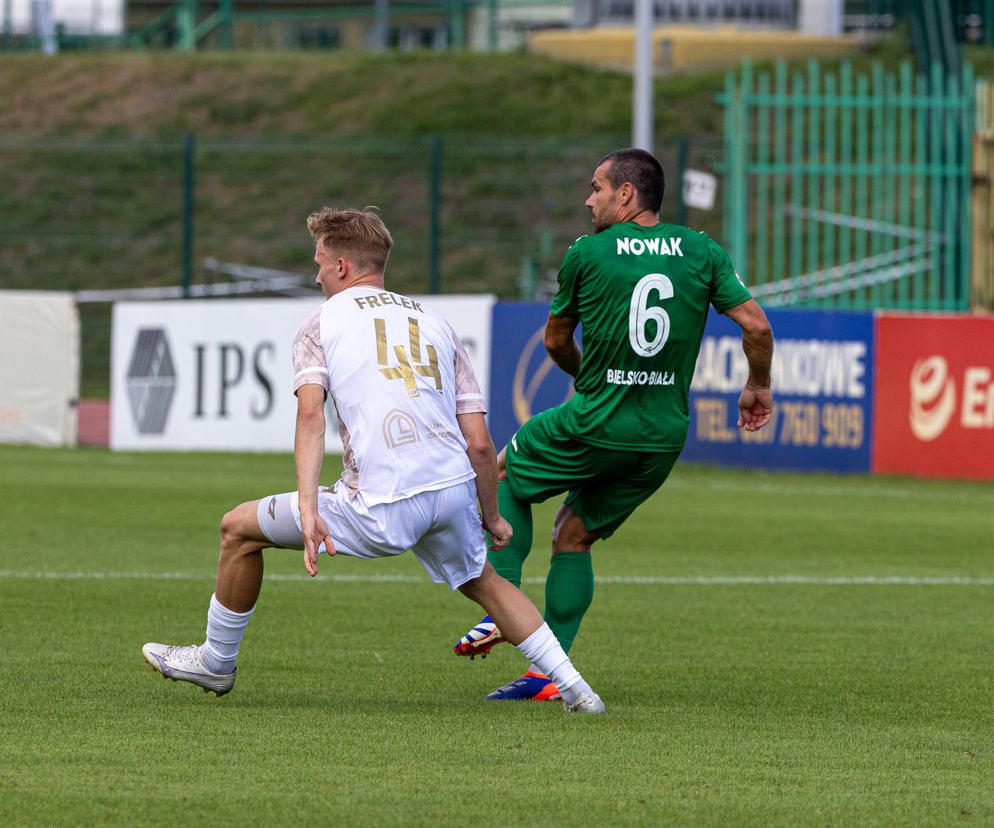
x,y
468,214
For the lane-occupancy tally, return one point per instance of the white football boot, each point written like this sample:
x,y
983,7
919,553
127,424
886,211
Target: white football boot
x,y
186,664
585,703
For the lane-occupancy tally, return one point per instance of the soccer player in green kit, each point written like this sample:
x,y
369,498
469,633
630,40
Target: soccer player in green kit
x,y
641,291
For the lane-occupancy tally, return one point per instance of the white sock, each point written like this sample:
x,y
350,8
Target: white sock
x,y
546,653
225,629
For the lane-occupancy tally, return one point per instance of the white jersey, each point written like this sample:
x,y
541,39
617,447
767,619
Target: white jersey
x,y
398,375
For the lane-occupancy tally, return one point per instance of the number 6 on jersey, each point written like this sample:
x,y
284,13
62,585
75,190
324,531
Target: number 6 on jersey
x,y
641,312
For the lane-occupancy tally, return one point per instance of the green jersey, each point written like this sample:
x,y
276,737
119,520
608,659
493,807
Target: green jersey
x,y
641,295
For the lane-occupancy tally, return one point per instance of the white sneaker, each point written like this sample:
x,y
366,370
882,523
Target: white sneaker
x,y
585,703
186,664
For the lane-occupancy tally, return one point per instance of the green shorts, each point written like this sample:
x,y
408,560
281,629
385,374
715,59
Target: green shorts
x,y
605,486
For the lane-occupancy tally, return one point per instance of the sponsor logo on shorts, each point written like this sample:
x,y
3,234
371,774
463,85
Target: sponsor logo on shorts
x,y
399,429
151,381
272,509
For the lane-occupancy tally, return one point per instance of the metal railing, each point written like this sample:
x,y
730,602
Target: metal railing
x,y
851,191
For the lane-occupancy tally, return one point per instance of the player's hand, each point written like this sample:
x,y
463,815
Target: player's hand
x,y
315,532
500,532
755,407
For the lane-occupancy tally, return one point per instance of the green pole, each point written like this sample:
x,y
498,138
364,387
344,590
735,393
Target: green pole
x,y
728,98
812,240
186,22
8,26
459,24
967,126
189,148
759,273
682,145
492,25
740,240
434,205
225,32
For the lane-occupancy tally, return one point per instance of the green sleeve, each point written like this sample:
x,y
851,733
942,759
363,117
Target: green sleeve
x,y
727,288
566,302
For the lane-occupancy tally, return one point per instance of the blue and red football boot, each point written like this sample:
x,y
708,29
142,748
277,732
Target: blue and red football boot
x,y
530,687
480,640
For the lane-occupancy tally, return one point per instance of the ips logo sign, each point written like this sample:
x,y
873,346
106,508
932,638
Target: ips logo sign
x,y
199,391
151,381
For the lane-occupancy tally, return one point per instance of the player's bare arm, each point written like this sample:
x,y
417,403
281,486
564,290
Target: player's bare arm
x,y
483,459
560,344
756,399
308,452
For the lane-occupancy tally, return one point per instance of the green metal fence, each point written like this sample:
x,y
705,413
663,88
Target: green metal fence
x,y
468,213
850,190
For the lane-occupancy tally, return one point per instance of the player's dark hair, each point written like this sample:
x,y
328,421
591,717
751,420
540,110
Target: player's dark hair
x,y
642,171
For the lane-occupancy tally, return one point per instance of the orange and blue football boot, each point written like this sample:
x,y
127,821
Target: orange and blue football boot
x,y
530,687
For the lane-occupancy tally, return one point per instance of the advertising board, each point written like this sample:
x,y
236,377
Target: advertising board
x,y
822,386
935,396
39,367
822,383
217,374
524,380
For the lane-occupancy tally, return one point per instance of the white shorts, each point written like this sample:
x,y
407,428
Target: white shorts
x,y
442,528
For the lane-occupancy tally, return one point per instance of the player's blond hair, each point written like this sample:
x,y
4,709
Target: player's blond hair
x,y
358,235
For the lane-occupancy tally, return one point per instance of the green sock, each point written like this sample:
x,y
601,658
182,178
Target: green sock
x,y
518,513
569,589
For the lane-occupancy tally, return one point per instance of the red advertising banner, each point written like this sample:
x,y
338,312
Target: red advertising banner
x,y
934,396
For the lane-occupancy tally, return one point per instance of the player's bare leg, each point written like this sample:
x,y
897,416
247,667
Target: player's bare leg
x,y
510,608
240,564
487,634
568,592
523,626
239,580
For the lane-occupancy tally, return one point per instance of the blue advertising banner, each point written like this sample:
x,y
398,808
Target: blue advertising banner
x,y
523,380
822,386
822,389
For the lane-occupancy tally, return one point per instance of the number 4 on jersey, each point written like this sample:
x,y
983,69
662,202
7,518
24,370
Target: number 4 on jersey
x,y
409,359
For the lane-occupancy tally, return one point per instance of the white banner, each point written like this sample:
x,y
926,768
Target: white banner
x,y
39,367
217,374
76,16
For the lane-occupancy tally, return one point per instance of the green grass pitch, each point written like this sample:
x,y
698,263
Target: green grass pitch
x,y
773,650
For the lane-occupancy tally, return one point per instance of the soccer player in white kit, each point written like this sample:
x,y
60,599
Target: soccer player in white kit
x,y
418,457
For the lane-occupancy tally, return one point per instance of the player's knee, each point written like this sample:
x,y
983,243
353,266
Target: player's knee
x,y
477,589
563,542
569,534
233,526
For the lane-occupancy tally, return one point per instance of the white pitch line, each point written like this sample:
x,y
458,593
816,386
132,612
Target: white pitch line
x,y
851,490
627,580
